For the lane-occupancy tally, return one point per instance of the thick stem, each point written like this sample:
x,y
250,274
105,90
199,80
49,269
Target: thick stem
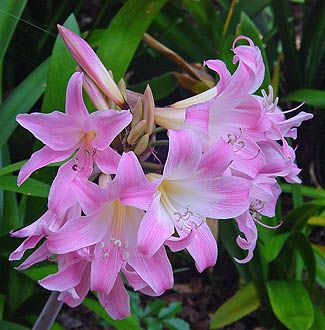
x,y
49,312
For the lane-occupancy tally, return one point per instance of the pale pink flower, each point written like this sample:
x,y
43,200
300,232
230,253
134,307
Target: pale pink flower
x,y
110,227
191,189
64,133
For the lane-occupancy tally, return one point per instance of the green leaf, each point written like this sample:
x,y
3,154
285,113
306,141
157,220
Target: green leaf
x,y
5,325
12,167
314,97
319,319
2,305
38,272
274,246
31,187
61,67
291,304
153,324
317,221
161,86
171,310
320,267
129,323
306,191
247,28
244,302
21,100
10,12
153,307
125,32
296,241
176,324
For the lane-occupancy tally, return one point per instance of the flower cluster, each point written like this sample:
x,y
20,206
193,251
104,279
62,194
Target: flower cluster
x,y
109,215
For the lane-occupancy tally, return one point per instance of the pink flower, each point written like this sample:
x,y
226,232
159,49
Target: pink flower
x,y
191,189
63,133
110,227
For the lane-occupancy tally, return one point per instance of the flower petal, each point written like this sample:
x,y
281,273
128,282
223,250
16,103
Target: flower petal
x,y
40,254
105,268
107,125
155,227
27,244
40,159
56,129
88,194
132,185
184,154
156,271
79,232
216,159
107,160
67,277
117,303
203,248
74,104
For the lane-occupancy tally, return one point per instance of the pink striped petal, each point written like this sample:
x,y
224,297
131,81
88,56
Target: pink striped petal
x,y
27,244
203,248
66,278
79,232
132,185
107,125
156,271
74,104
40,159
184,154
56,129
107,160
88,194
41,254
155,227
105,268
117,302
221,69
216,159
179,243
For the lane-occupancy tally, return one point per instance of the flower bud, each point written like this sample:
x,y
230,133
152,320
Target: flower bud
x,y
148,109
142,144
137,113
136,132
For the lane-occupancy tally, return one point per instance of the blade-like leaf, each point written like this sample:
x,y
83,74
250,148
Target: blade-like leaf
x,y
10,12
291,304
21,100
31,187
5,325
125,32
312,97
244,302
61,67
317,221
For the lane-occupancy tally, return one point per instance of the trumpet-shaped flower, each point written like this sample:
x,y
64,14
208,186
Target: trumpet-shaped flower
x,y
191,189
64,133
110,227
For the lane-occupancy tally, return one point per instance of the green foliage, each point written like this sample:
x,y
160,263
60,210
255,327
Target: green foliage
x,y
244,302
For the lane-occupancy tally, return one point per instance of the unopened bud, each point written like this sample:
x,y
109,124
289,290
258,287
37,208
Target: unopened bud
x,y
122,87
142,145
137,113
148,109
136,132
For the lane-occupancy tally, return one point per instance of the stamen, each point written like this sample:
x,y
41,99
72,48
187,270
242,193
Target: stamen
x,y
268,226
